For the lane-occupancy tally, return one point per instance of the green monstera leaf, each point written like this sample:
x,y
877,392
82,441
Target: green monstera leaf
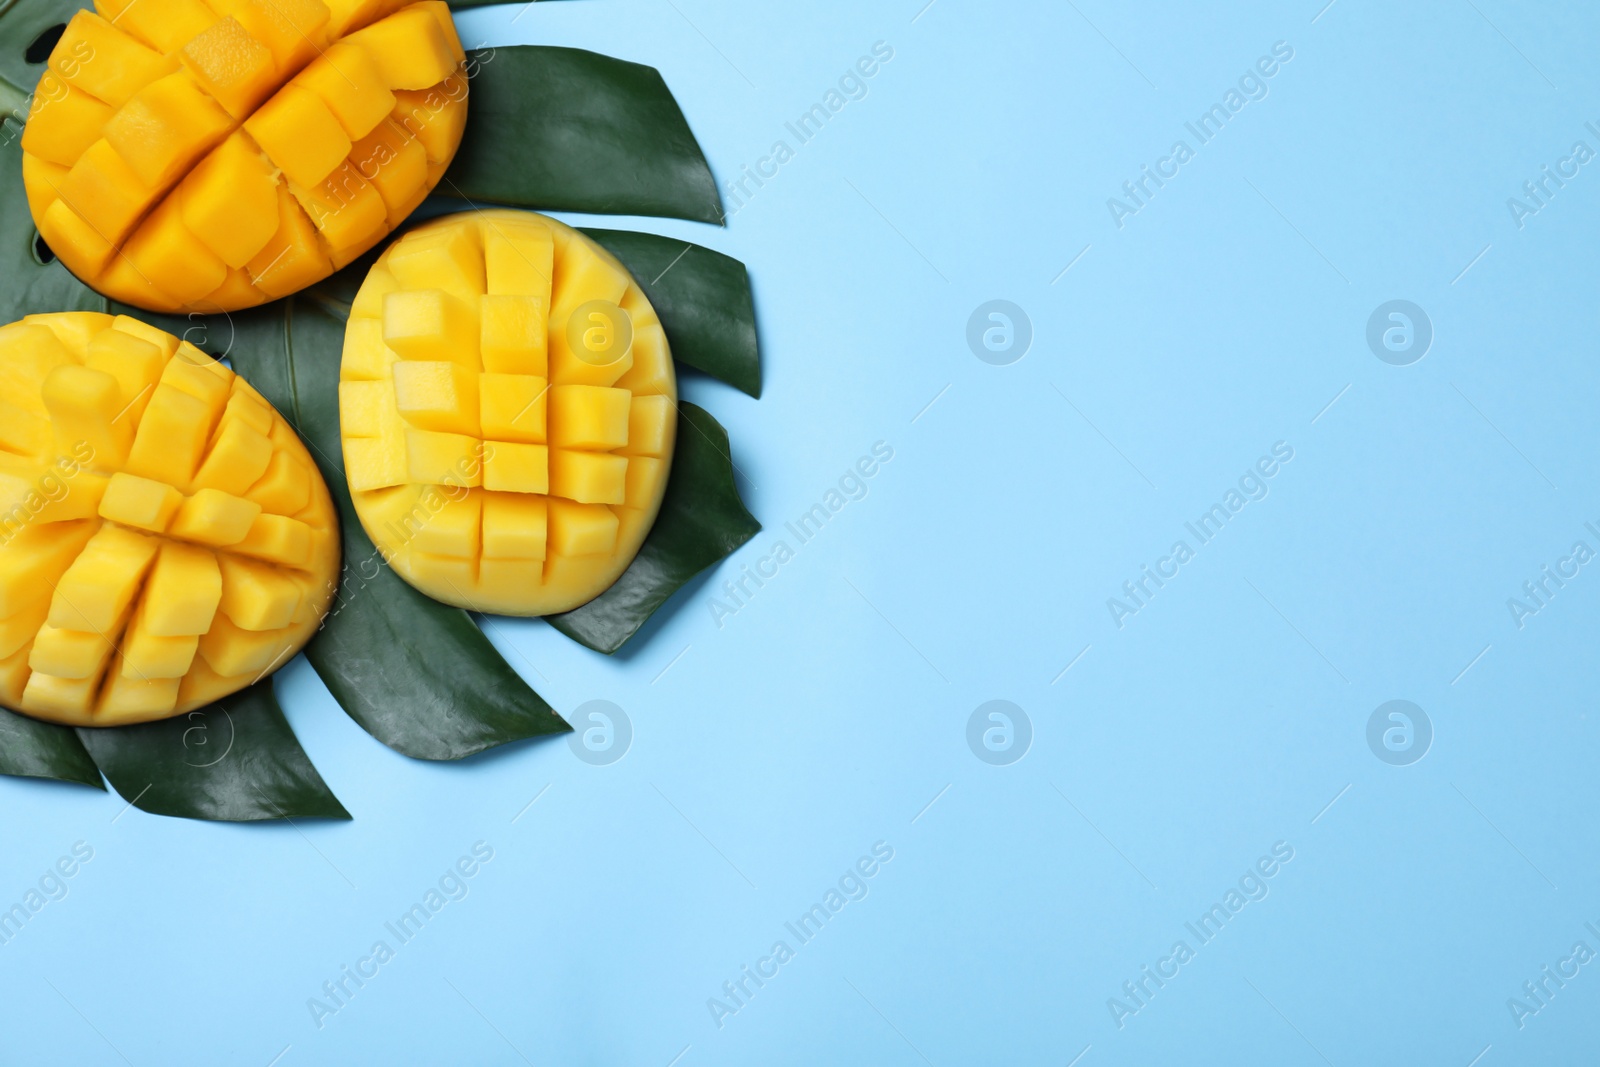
x,y
234,761
33,749
592,133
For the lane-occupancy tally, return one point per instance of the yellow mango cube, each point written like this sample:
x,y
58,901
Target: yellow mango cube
x,y
168,125
232,650
133,327
163,251
347,15
396,166
366,408
69,654
430,324
101,582
519,575
17,630
278,539
79,498
368,304
640,313
366,357
443,458
166,27
237,70
589,416
513,407
73,239
652,426
147,655
59,698
230,201
511,467
35,351
428,117
23,432
437,396
588,477
581,529
411,48
519,259
453,530
514,526
440,12
449,259
587,272
299,134
450,572
293,258
650,371
171,437
134,363
74,329
347,210
126,701
84,405
96,57
212,517
33,559
40,179
29,498
237,460
376,463
350,83
246,405
291,29
202,377
592,346
184,590
256,596
63,123
106,192
644,474
139,502
513,336
132,700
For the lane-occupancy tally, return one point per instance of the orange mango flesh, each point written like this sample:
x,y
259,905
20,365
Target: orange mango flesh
x,y
165,539
210,155
508,407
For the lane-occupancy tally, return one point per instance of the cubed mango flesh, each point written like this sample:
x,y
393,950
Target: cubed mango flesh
x,y
164,535
492,475
185,156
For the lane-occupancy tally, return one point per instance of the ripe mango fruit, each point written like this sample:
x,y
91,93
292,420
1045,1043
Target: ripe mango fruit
x,y
211,155
165,538
508,408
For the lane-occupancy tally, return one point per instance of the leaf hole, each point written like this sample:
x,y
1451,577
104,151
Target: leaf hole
x,y
42,253
44,44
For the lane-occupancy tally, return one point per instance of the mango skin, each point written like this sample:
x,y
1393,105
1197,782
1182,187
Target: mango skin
x,y
189,156
165,538
508,410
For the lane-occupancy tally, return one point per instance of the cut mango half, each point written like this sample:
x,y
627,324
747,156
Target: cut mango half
x,y
165,539
211,155
508,409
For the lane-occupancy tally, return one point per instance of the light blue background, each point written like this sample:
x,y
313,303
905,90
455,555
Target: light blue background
x,y
827,713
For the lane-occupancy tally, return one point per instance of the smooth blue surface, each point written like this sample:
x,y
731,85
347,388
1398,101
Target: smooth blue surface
x,y
830,711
